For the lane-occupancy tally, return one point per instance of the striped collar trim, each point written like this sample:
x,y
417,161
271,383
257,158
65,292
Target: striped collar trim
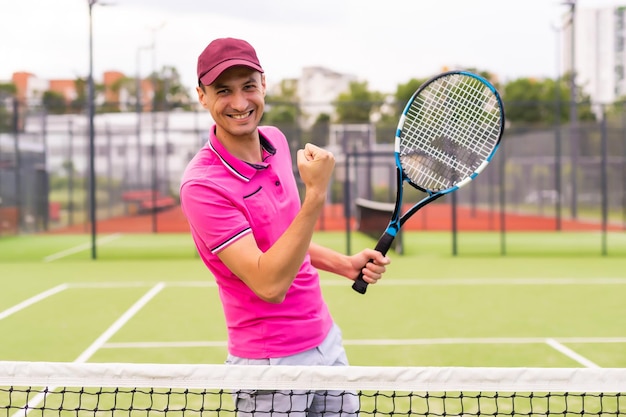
x,y
241,169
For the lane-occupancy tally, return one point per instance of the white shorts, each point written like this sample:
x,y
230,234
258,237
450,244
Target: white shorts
x,y
261,403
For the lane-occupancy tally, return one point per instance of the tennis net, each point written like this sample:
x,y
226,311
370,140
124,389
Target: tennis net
x,y
45,389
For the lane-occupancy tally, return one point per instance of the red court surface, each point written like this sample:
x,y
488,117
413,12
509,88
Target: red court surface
x,y
436,217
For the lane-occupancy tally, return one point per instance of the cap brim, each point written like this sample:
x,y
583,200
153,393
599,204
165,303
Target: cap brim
x,y
212,75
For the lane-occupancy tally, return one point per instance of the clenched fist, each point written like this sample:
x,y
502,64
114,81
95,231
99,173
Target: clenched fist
x,y
316,167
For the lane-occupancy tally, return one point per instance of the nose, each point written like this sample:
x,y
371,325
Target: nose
x,y
239,101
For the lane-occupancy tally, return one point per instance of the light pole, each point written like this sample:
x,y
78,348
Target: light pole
x,y
92,133
154,129
557,124
91,111
139,109
573,111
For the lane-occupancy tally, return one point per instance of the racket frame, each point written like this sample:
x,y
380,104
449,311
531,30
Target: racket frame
x,y
397,221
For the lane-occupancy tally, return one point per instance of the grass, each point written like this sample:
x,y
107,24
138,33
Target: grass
x,y
46,248
149,299
432,308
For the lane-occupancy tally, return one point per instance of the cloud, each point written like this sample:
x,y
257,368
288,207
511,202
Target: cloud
x,y
284,12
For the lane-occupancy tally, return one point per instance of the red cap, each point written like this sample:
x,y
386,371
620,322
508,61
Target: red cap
x,y
222,54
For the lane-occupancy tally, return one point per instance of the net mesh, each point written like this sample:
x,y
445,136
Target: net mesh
x,y
448,131
63,389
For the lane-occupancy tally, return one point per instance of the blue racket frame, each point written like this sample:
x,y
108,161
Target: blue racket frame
x,y
396,221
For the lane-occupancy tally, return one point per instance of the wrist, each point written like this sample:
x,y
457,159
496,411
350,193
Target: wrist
x,y
314,198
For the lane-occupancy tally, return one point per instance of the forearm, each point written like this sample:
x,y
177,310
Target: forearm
x,y
368,261
280,264
330,260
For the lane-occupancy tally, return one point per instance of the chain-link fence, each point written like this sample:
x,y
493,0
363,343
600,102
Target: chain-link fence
x,y
559,173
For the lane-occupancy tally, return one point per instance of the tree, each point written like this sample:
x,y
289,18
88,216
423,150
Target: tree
x,y
54,102
357,104
282,105
78,104
319,131
529,100
389,113
169,90
523,100
404,92
7,91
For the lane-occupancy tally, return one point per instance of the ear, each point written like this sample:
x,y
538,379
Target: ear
x,y
263,83
202,97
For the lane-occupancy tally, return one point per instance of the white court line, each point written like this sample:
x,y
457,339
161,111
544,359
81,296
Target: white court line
x,y
383,342
32,300
339,282
109,285
571,354
159,345
97,344
488,281
135,284
80,248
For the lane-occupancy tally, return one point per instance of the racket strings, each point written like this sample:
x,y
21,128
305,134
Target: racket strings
x,y
448,131
459,107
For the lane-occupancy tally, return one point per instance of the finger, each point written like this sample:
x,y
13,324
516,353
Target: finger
x,y
377,257
371,277
310,151
376,269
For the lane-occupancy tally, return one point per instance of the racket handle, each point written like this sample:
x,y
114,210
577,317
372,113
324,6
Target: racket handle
x,y
383,245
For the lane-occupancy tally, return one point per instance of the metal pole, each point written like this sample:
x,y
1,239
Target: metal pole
x,y
154,133
604,179
166,131
346,202
573,110
154,150
70,173
623,131
46,197
18,164
502,167
91,111
557,133
455,227
138,104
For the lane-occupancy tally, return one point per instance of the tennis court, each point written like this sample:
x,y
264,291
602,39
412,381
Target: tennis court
x,y
148,299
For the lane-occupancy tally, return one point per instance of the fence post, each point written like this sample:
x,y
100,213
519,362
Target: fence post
x,y
346,202
502,157
18,186
604,177
454,225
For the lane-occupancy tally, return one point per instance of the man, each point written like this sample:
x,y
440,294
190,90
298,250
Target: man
x,y
253,233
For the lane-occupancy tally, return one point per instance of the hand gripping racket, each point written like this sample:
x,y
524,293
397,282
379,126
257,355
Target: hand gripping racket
x,y
447,134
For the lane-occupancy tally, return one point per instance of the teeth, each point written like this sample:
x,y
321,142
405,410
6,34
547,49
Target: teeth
x,y
241,116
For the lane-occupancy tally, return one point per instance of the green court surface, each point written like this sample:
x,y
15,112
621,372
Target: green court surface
x,y
148,298
417,245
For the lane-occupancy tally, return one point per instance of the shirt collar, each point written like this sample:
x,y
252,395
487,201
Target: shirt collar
x,y
241,169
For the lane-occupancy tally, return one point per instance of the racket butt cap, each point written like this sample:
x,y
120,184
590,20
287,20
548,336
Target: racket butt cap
x,y
359,286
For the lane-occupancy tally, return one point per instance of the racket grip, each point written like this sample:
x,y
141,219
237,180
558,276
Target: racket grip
x,y
383,245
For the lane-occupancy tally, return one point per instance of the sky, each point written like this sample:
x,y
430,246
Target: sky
x,y
384,42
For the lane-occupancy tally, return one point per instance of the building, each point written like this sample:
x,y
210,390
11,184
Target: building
x,y
126,145
117,89
318,88
599,54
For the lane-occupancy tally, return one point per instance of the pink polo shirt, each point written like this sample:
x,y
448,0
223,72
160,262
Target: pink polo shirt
x,y
225,199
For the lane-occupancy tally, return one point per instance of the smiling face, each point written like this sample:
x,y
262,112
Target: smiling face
x,y
236,101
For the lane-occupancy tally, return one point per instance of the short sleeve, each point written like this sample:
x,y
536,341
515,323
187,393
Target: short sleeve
x,y
213,215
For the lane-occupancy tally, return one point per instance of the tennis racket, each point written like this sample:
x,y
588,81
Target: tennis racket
x,y
447,134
